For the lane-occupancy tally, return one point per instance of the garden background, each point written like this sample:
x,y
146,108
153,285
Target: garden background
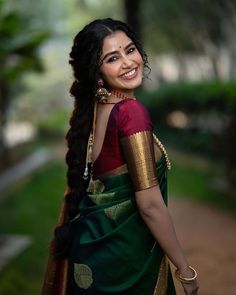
x,y
190,93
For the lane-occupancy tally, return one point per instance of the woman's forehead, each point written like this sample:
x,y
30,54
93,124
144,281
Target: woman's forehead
x,y
115,41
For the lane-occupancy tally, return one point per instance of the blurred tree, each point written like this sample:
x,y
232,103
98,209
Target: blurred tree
x,y
132,15
18,54
187,24
42,13
190,26
84,11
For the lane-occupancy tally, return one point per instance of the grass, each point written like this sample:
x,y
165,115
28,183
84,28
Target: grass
x,y
191,177
32,211
55,125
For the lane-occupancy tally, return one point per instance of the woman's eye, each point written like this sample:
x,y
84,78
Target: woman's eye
x,y
131,49
112,59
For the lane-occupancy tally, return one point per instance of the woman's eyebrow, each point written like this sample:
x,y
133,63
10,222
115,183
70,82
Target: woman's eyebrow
x,y
115,51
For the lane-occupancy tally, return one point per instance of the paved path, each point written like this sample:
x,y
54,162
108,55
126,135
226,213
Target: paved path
x,y
208,236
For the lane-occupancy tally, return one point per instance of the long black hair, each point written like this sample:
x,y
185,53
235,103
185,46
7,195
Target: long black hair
x,y
85,61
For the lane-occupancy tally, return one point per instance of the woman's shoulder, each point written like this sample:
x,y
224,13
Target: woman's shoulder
x,y
132,117
131,105
131,109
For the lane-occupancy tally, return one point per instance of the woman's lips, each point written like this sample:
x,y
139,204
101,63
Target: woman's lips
x,y
130,75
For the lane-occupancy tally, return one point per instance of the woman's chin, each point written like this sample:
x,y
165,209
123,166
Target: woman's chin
x,y
132,84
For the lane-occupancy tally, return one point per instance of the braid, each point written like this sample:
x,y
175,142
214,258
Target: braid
x,y
85,61
77,138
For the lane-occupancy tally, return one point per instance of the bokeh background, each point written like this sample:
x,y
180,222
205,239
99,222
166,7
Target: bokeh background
x,y
191,95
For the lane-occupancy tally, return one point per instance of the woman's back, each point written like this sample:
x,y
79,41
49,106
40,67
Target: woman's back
x,y
122,119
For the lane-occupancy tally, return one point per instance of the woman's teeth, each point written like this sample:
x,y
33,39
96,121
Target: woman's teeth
x,y
129,74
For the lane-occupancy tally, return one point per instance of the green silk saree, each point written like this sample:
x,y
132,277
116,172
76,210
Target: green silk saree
x,y
113,251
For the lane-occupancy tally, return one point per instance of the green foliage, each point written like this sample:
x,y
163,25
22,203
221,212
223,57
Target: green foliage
x,y
184,25
81,12
189,179
19,45
54,125
191,98
210,109
33,211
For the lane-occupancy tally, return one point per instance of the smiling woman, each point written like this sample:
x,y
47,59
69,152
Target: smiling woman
x,y
122,64
114,232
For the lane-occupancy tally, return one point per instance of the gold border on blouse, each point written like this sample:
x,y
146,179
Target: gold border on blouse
x,y
124,169
117,171
139,153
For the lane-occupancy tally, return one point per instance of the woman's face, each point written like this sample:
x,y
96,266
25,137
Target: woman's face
x,y
122,64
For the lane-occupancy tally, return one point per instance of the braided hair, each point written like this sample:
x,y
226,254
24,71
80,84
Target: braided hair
x,y
85,59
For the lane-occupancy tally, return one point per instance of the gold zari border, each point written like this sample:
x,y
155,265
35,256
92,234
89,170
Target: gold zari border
x,y
56,274
161,285
139,154
117,171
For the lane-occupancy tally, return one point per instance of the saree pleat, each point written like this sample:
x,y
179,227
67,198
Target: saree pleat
x,y
113,251
56,274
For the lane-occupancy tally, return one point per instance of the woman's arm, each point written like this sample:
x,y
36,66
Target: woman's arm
x,y
135,130
156,215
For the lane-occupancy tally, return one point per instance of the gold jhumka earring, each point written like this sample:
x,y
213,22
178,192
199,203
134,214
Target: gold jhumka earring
x,y
102,93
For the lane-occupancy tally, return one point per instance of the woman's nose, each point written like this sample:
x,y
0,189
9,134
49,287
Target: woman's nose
x,y
126,61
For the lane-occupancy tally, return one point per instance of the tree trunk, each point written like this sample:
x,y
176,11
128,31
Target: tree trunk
x,y
132,12
4,155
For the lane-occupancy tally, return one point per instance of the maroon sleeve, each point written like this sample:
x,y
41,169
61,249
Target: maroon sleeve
x,y
133,117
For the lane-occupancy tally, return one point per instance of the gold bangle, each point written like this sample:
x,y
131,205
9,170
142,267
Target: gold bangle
x,y
183,279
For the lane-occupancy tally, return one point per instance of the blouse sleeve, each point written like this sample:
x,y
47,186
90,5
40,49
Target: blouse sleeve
x,y
136,137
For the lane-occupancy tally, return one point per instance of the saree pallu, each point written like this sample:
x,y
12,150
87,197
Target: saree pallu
x,y
113,251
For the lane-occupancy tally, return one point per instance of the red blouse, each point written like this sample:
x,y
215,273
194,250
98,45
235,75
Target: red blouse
x,y
126,118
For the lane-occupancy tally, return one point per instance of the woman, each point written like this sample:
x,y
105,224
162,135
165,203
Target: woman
x,y
116,232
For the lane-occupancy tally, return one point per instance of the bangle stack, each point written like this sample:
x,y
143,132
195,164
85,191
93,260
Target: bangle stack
x,y
186,280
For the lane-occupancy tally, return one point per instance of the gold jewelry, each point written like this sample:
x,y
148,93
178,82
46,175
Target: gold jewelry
x,y
103,97
121,95
162,148
88,156
102,93
90,146
115,94
184,279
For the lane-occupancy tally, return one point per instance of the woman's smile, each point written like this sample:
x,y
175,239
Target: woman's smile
x,y
122,63
130,74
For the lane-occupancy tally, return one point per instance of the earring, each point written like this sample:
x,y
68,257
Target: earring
x,y
102,93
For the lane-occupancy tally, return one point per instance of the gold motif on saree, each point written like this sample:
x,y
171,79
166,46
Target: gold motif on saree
x,y
161,285
117,211
95,186
83,275
101,198
139,153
